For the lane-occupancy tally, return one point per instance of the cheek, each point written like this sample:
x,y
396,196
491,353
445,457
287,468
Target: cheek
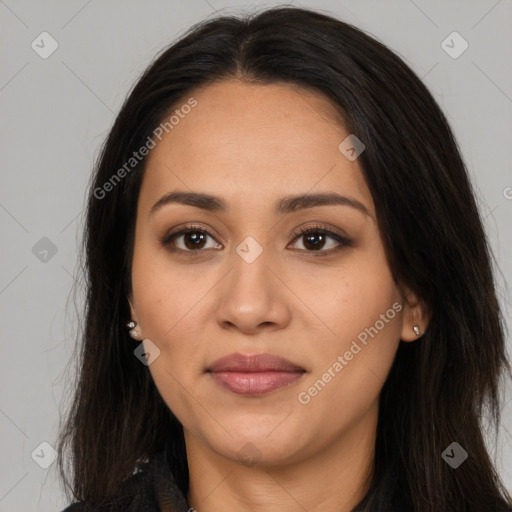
x,y
360,311
174,304
350,298
171,305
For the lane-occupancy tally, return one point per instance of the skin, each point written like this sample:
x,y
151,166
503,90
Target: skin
x,y
251,145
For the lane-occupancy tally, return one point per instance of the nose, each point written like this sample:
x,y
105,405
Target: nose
x,y
252,297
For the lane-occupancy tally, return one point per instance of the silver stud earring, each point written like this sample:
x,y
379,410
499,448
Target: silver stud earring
x,y
133,333
416,330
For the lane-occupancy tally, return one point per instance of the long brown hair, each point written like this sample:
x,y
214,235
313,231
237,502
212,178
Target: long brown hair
x,y
440,389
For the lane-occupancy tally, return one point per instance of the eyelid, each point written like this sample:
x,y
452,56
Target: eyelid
x,y
186,227
320,226
342,239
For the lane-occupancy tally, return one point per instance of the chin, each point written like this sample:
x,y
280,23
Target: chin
x,y
262,446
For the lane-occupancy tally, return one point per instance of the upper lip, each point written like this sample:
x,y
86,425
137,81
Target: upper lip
x,y
253,363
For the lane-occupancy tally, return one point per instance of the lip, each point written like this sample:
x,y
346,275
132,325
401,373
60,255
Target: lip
x,y
255,374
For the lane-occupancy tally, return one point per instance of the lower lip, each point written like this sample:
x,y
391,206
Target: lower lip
x,y
255,383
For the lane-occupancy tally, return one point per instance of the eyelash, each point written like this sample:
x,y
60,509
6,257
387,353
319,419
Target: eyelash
x,y
166,240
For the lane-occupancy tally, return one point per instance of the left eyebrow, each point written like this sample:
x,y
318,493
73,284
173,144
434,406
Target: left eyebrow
x,y
293,203
283,206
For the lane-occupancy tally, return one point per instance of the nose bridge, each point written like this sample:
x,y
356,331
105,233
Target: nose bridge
x,y
252,296
250,265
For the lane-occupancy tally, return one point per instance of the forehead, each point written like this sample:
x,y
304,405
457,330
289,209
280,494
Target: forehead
x,y
248,141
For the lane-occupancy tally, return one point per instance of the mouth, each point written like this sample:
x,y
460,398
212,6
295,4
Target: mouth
x,y
254,374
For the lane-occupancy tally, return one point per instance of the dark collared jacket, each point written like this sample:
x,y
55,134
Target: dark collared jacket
x,y
151,489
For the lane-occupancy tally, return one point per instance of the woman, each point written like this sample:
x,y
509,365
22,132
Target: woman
x,y
290,297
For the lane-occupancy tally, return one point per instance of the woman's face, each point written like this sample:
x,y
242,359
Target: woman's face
x,y
245,281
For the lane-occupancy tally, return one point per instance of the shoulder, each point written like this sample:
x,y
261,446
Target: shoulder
x,y
136,494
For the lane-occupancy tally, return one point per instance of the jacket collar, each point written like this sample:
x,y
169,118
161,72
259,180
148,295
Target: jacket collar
x,y
168,494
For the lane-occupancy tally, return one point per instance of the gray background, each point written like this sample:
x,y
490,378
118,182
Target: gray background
x,y
56,111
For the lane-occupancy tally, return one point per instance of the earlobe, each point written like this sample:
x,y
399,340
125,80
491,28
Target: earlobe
x,y
415,317
132,324
133,331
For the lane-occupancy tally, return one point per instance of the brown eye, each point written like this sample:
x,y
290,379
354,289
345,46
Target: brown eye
x,y
191,240
317,238
194,240
314,241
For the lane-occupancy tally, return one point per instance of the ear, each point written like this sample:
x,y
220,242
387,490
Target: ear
x,y
136,332
133,314
415,313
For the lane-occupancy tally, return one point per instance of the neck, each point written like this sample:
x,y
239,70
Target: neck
x,y
335,478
